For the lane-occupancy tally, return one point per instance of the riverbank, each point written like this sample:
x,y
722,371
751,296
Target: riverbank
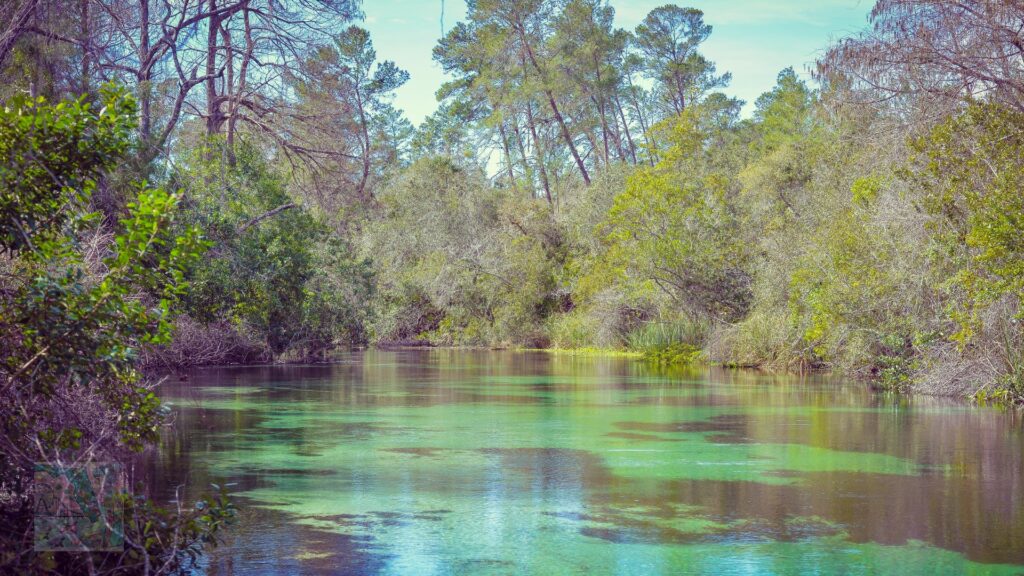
x,y
961,379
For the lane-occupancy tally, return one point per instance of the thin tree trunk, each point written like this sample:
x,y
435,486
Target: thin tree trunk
x,y
592,139
229,93
539,152
212,104
625,126
243,75
643,125
681,91
508,156
522,154
144,88
86,41
16,27
554,108
601,111
568,138
365,145
617,136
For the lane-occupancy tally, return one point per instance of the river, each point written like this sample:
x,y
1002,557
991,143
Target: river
x,y
470,462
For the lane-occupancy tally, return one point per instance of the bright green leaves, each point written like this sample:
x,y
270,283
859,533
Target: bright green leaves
x,y
896,265
150,257
852,290
72,318
839,273
674,226
865,190
87,329
971,172
52,155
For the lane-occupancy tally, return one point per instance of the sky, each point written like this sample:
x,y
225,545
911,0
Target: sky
x,y
752,39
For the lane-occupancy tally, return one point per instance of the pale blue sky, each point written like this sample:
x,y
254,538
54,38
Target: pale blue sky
x,y
753,39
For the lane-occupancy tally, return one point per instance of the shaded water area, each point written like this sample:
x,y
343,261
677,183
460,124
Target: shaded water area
x,y
460,462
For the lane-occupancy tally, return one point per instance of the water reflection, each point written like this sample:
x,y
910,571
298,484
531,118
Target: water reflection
x,y
498,462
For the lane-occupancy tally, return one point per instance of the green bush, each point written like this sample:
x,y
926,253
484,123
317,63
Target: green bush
x,y
459,261
286,279
72,322
575,329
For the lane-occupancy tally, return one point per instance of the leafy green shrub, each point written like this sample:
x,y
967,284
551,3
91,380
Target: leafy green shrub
x,y
334,314
971,173
575,329
71,324
675,354
674,226
459,261
894,361
277,274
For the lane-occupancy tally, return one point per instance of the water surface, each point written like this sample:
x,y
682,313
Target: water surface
x,y
453,462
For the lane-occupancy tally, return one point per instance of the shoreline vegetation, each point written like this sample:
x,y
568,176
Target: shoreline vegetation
x,y
866,226
616,198
986,394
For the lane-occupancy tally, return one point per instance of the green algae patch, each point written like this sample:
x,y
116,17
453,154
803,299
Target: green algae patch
x,y
700,459
304,555
588,352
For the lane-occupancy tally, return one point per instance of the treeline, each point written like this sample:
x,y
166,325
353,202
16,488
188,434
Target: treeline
x,y
590,187
271,118
580,185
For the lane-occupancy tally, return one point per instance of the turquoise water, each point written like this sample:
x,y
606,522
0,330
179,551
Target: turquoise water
x,y
456,462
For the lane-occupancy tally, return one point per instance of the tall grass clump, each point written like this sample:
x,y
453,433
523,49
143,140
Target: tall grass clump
x,y
765,339
572,330
677,341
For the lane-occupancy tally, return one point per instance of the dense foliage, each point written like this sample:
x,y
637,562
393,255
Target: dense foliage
x,y
579,185
78,302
